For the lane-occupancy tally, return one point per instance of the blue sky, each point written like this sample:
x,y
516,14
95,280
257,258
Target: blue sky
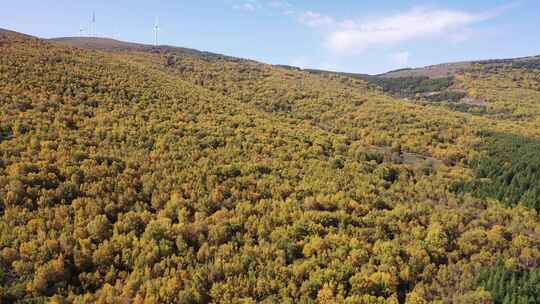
x,y
347,35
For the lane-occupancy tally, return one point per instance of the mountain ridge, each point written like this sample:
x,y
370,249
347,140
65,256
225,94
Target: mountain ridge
x,y
432,71
109,44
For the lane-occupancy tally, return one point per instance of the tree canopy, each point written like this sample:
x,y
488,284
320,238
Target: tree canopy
x,y
163,177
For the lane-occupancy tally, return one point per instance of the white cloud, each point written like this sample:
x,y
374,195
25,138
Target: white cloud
x,y
400,58
247,6
462,35
288,12
313,19
352,36
279,4
254,5
398,28
285,7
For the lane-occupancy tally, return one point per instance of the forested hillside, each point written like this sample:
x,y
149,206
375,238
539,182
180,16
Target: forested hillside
x,y
160,175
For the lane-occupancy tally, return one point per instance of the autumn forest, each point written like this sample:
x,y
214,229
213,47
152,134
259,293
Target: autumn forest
x,y
139,174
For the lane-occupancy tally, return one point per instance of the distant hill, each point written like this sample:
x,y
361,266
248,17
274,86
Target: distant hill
x,y
5,31
442,70
2,31
113,45
452,69
432,71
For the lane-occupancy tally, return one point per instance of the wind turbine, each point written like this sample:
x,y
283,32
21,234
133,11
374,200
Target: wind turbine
x,y
93,25
81,31
156,30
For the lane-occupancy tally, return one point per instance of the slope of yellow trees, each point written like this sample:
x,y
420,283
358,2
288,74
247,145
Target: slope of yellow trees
x,y
124,179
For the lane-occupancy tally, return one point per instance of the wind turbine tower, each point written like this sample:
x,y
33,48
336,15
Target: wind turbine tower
x,y
93,24
156,30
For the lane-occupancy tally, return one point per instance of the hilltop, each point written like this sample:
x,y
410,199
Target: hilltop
x,y
13,33
433,71
435,83
133,173
108,44
456,68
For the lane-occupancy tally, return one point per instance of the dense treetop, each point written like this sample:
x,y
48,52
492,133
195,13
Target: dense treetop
x,y
163,177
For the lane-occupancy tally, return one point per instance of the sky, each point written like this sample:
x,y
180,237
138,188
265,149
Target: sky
x,y
357,36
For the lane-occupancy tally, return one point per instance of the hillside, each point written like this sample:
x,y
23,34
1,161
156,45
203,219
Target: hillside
x,y
112,45
455,68
135,174
432,72
437,84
